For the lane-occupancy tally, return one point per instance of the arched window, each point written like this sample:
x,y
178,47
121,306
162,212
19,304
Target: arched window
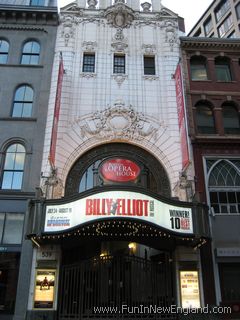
x,y
4,47
204,118
198,68
13,168
224,186
30,53
231,119
23,102
222,68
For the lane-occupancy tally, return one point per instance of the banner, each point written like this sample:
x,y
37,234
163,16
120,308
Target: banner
x,y
118,204
56,113
181,116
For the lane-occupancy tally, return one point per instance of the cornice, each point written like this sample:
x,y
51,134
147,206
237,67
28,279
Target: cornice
x,y
26,16
209,43
22,28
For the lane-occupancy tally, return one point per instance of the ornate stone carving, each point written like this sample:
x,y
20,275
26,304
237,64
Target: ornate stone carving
x,y
146,6
149,49
119,78
119,43
170,27
150,77
89,46
92,4
119,15
68,29
88,75
119,122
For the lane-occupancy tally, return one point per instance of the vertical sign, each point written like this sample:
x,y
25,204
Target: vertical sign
x,y
190,295
181,116
56,113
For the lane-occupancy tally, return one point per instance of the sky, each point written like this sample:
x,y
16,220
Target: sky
x,y
190,10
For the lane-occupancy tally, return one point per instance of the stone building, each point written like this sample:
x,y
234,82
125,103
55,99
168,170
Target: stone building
x,y
27,41
116,223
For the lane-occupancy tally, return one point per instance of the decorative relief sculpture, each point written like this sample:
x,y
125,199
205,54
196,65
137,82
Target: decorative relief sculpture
x,y
119,122
92,4
68,29
89,46
170,27
119,42
119,15
119,78
149,49
146,6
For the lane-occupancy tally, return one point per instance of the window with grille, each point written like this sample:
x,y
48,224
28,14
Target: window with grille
x,y
23,102
4,47
88,62
13,168
224,186
149,65
119,63
30,53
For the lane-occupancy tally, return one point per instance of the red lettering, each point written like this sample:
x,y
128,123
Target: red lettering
x,y
145,203
89,207
109,205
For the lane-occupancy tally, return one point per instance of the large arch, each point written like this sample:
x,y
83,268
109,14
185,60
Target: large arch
x,y
154,170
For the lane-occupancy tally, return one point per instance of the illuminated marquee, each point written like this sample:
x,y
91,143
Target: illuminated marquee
x,y
118,204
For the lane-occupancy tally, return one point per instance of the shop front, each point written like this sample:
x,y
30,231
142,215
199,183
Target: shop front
x,y
116,243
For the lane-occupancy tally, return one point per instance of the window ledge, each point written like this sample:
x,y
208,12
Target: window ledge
x,y
150,77
195,80
88,75
225,82
16,194
19,119
37,66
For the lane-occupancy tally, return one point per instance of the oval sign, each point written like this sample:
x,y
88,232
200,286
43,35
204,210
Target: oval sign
x,y
119,170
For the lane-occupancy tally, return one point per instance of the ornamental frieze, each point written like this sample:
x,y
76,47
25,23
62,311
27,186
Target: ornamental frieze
x,y
120,122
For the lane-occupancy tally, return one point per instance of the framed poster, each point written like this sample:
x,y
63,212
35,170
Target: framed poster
x,y
190,295
44,289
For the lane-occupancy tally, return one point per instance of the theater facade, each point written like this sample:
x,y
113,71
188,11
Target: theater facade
x,y
115,221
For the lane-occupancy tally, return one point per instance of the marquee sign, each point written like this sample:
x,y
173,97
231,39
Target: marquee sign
x,y
118,204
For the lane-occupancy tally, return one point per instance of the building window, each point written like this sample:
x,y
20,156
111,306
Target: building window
x,y
229,280
231,121
118,63
23,102
208,25
198,68
30,53
224,186
88,62
222,68
237,8
205,119
13,167
4,47
9,266
221,9
225,26
37,2
11,228
149,65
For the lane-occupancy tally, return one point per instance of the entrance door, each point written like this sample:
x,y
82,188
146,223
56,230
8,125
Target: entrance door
x,y
91,288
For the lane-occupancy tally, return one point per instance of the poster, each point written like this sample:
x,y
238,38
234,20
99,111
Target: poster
x,y
190,295
44,289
